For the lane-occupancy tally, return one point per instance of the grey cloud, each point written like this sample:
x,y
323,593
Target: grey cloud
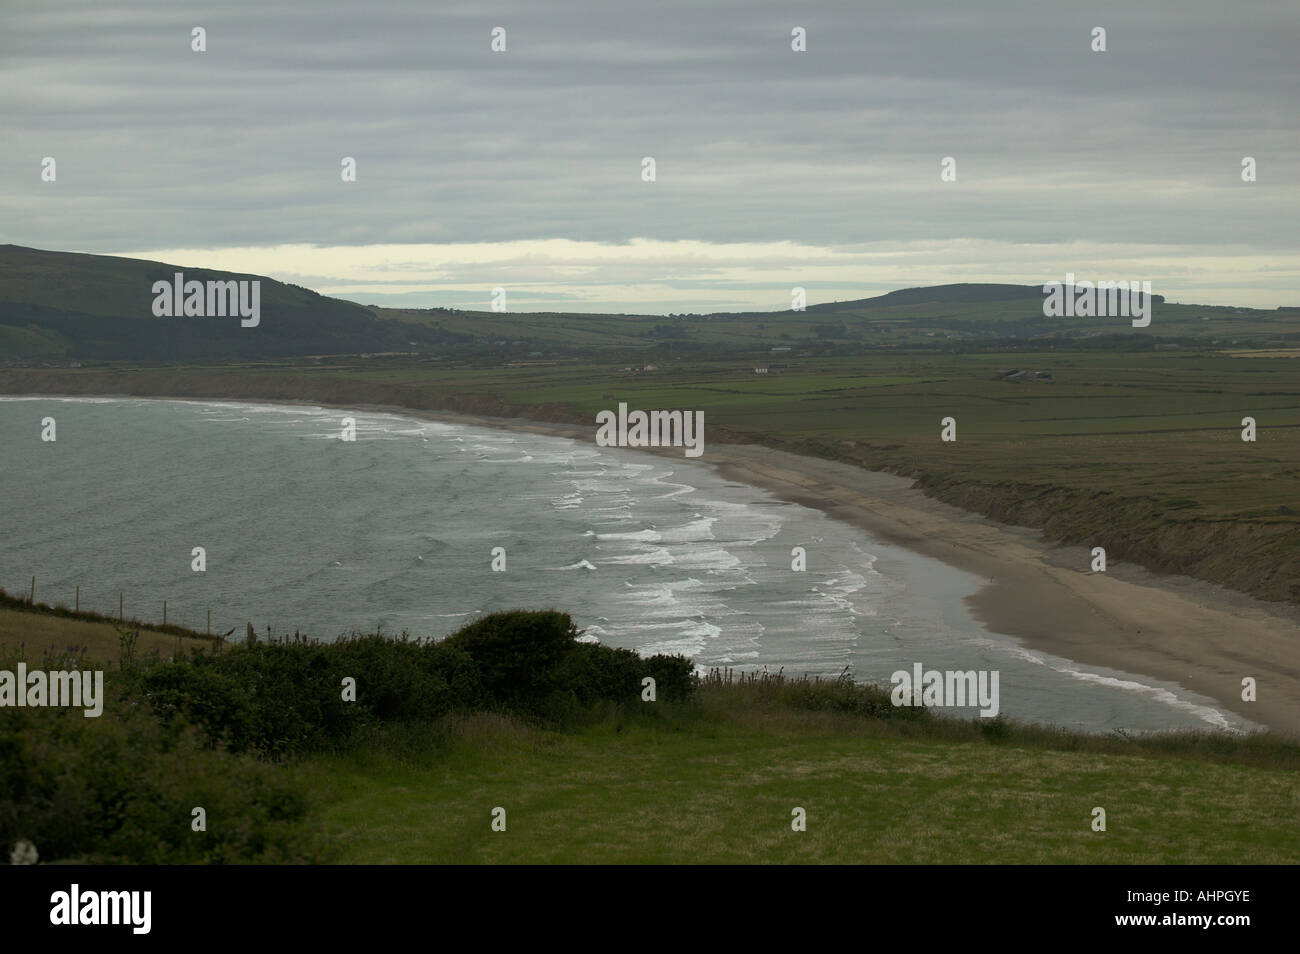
x,y
160,147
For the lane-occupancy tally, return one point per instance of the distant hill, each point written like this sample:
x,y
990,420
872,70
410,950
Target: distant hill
x,y
100,307
963,293
68,306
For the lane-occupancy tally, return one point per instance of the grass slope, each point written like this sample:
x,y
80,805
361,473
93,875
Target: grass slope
x,y
719,787
42,632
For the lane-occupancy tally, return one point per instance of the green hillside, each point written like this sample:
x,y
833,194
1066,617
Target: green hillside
x,y
72,306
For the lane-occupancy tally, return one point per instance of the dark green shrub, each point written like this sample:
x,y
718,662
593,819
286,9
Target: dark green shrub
x,y
120,789
997,729
593,672
518,653
269,698
674,676
400,680
278,699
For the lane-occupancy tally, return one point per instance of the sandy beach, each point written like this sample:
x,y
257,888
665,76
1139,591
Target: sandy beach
x,y
1199,635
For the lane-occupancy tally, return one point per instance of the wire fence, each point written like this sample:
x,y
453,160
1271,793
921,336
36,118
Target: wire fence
x,y
165,616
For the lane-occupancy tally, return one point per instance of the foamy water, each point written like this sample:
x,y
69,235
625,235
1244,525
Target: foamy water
x,y
396,530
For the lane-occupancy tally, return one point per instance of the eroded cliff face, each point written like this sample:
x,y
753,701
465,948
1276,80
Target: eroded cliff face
x,y
1254,556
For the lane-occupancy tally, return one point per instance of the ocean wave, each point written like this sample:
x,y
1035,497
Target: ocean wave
x,y
696,530
651,556
1207,714
580,565
649,536
711,558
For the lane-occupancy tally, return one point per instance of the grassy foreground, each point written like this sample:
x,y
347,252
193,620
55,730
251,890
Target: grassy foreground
x,y
512,713
717,783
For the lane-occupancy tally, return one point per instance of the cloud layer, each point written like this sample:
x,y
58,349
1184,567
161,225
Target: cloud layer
x,y
774,168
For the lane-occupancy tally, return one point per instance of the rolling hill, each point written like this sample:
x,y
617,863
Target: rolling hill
x,y
100,307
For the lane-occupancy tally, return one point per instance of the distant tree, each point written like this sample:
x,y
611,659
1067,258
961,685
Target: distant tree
x,y
666,331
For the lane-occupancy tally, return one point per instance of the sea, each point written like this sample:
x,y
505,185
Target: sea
x,y
421,526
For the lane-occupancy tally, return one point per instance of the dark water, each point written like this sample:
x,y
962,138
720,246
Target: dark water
x,y
304,531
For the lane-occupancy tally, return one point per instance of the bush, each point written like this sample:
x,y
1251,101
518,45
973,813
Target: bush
x,y
529,660
271,699
592,672
120,789
674,676
278,699
518,654
400,680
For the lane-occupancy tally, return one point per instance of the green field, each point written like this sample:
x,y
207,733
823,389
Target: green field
x,y
950,321
721,787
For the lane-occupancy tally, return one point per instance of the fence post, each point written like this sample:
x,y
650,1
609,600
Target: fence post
x,y
119,605
32,598
78,598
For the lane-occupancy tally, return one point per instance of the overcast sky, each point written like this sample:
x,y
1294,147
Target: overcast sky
x,y
774,168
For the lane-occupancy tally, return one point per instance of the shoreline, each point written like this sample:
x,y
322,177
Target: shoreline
x,y
1172,628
